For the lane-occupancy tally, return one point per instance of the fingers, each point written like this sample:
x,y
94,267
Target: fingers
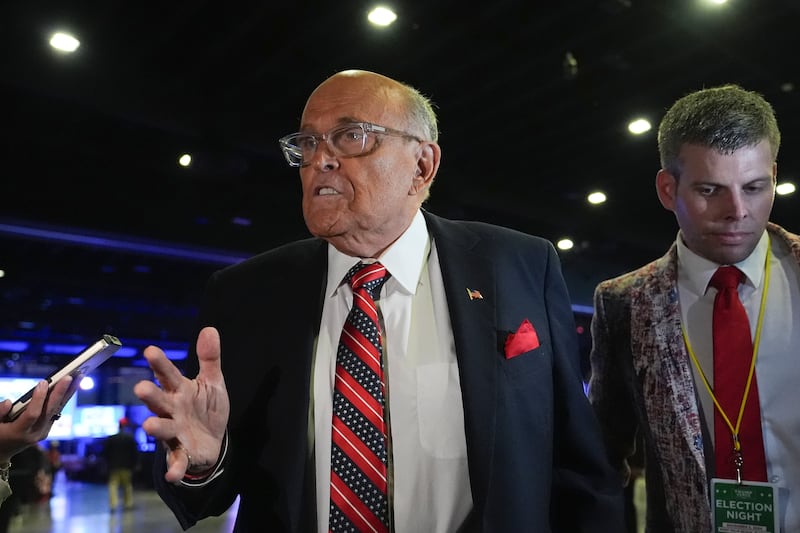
x,y
148,392
55,401
165,372
178,460
34,423
191,414
45,407
60,395
37,400
36,406
161,400
163,429
169,402
208,355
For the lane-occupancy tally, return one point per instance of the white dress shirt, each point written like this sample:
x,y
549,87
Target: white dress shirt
x,y
429,481
778,360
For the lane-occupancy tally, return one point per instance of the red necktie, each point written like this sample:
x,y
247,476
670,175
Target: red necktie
x,y
733,354
358,438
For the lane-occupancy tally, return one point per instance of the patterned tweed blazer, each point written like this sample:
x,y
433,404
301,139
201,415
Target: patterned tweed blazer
x,y
643,391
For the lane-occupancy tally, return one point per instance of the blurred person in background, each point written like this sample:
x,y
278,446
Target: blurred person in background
x,y
121,453
53,454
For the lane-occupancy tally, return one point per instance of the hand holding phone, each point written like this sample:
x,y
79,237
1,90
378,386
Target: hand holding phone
x,y
86,361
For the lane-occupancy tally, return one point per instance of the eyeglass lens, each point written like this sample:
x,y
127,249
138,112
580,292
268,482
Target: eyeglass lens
x,y
344,141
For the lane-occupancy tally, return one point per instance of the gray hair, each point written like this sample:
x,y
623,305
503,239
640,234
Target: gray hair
x,y
725,118
421,113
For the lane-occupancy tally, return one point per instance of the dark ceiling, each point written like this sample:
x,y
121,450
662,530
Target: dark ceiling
x,y
92,139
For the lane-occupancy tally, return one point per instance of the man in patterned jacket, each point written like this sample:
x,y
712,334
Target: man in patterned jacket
x,y
652,368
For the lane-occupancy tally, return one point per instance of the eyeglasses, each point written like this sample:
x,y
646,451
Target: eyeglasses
x,y
347,140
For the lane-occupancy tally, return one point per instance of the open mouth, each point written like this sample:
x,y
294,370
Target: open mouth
x,y
326,191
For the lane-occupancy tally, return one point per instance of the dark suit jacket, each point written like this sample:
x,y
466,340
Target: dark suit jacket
x,y
642,382
535,456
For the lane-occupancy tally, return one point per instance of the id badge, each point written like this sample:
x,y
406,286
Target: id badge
x,y
750,507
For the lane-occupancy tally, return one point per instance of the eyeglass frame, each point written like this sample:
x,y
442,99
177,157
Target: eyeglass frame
x,y
366,127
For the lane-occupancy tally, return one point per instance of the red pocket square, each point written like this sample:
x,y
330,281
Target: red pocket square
x,y
524,340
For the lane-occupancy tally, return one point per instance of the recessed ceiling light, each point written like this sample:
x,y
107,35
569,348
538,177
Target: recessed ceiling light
x,y
565,244
64,42
382,16
639,126
787,187
596,197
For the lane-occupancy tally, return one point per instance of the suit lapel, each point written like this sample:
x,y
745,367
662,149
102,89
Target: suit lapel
x,y
287,452
663,368
475,335
791,240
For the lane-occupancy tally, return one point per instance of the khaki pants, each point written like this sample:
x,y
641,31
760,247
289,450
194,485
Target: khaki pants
x,y
640,502
120,477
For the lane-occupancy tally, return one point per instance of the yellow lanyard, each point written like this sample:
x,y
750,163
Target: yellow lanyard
x,y
735,430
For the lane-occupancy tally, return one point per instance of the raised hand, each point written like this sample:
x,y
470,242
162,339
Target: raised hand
x,y
192,414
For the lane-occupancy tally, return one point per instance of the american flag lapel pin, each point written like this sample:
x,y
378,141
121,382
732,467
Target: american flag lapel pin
x,y
474,294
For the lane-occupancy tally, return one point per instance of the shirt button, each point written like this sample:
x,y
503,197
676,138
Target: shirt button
x,y
775,479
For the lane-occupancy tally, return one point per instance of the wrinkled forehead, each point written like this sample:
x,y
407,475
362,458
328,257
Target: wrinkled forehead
x,y
348,99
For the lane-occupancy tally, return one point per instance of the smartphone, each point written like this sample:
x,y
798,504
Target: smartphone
x,y
90,358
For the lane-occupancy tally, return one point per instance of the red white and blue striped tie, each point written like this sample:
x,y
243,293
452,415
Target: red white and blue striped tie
x,y
359,499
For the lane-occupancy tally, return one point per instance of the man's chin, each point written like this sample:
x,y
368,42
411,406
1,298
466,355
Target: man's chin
x,y
321,223
324,229
729,255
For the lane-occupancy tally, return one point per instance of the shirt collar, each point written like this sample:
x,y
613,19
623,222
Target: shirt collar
x,y
404,259
696,271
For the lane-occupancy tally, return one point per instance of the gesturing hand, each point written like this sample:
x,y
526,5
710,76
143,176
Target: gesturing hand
x,y
192,414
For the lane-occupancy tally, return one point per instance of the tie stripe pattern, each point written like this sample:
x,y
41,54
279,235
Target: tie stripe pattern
x,y
358,438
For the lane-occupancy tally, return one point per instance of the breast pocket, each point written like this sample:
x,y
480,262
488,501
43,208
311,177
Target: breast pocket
x,y
525,367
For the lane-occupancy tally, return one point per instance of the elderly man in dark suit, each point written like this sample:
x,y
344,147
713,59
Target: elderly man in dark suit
x,y
478,420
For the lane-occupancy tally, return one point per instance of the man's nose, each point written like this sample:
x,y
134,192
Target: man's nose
x,y
736,205
324,158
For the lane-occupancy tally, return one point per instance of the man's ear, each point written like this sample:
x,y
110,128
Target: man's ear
x,y
427,166
667,189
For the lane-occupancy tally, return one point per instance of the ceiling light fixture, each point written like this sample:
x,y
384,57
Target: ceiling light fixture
x,y
381,16
596,198
639,126
565,244
785,188
64,42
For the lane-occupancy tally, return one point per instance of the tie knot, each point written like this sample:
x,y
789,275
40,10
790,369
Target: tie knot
x,y
370,276
727,277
